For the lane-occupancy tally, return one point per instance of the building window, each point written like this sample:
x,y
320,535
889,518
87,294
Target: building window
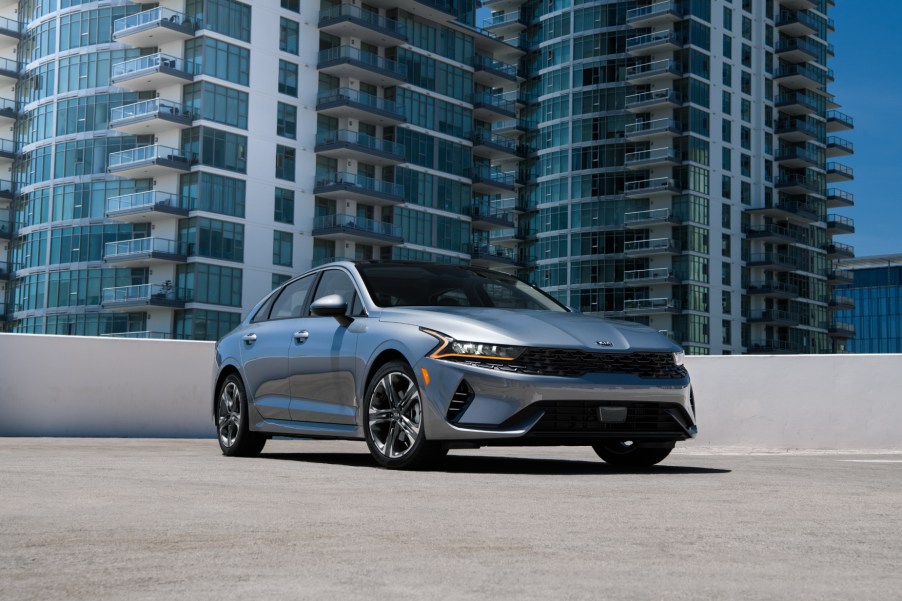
x,y
745,165
288,78
287,120
284,206
285,162
210,101
292,5
227,17
289,31
278,279
219,59
727,103
282,248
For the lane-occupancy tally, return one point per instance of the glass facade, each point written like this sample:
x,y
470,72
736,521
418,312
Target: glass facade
x,y
868,306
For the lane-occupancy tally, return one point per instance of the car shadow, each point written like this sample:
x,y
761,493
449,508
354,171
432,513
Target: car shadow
x,y
469,464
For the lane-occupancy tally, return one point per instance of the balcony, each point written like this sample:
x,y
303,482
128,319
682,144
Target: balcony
x,y
143,296
655,14
650,218
505,24
842,303
796,23
800,4
656,99
7,188
838,224
5,226
495,147
354,104
493,73
798,184
656,157
10,28
772,346
796,50
775,261
143,252
837,198
150,117
353,228
9,109
798,157
658,186
656,128
799,103
797,130
650,43
838,329
493,107
9,69
776,234
837,172
774,317
353,186
666,69
151,206
149,161
510,235
773,289
800,77
487,180
152,72
655,246
838,147
347,144
350,21
354,63
837,121
8,150
649,277
153,27
490,255
840,277
652,306
487,218
510,127
837,250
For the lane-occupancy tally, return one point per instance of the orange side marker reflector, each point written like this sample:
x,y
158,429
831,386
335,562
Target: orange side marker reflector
x,y
425,375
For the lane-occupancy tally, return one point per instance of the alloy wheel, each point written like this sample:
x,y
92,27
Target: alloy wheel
x,y
229,414
395,415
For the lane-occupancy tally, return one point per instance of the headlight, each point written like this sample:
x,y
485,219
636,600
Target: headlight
x,y
452,349
679,358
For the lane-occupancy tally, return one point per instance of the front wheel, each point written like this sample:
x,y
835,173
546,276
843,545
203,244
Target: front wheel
x,y
235,438
393,419
628,454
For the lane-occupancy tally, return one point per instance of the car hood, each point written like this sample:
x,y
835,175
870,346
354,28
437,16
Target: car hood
x,y
532,328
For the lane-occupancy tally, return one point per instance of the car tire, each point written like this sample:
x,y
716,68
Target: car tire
x,y
235,437
627,455
393,420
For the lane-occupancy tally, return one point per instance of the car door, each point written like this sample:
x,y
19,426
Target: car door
x,y
322,359
265,345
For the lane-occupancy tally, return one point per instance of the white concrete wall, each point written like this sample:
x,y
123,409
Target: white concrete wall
x,y
74,386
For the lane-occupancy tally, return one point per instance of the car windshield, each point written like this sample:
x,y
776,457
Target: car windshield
x,y
405,285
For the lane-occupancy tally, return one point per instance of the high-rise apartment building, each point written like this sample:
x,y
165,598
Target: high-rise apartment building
x,y
660,162
870,304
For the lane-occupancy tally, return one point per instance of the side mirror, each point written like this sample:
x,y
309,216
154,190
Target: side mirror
x,y
333,305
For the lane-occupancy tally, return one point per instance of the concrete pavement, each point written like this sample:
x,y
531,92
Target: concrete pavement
x,y
164,519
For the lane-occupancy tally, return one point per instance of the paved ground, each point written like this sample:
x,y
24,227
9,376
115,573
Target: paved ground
x,y
159,519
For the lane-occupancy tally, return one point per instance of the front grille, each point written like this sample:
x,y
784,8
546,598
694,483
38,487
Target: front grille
x,y
574,363
581,417
459,401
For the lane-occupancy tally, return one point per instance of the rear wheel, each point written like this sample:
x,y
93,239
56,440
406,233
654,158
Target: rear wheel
x,y
629,454
235,438
393,419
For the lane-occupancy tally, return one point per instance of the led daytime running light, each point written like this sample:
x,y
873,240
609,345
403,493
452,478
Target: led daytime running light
x,y
459,349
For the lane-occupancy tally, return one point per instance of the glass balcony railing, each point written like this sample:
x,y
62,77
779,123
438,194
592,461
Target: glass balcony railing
x,y
651,304
491,251
7,188
362,57
139,200
639,217
147,153
773,286
147,108
795,153
655,96
356,180
841,118
9,67
650,185
150,17
647,275
808,101
840,222
9,106
373,19
653,155
654,68
360,139
815,75
499,19
490,174
840,196
652,126
797,44
7,147
655,244
808,129
653,39
151,62
838,248
487,99
361,98
10,25
487,63
840,169
653,10
353,222
138,293
774,315
798,181
140,246
841,144
792,17
482,136
775,259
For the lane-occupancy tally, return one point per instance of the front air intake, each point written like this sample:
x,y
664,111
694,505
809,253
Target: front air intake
x,y
460,401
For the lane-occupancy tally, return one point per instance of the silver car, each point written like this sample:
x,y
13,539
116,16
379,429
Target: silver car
x,y
420,358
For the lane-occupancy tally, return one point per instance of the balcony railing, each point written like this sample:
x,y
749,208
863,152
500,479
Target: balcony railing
x,y
651,185
147,108
654,68
485,137
795,153
360,139
487,63
771,345
497,101
840,249
797,45
357,180
652,126
139,292
148,153
840,222
655,96
651,304
775,259
489,251
490,174
653,10
647,275
651,156
807,101
150,17
352,222
152,61
841,118
773,286
840,169
790,17
814,75
139,246
138,200
774,315
368,59
652,39
9,67
499,19
841,144
361,98
653,245
373,19
11,26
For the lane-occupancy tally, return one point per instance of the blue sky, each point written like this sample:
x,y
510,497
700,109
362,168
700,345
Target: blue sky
x,y
869,88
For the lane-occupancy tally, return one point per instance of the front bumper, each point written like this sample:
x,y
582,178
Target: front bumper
x,y
512,408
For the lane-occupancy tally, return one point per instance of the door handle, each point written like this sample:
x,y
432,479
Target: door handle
x,y
301,336
249,338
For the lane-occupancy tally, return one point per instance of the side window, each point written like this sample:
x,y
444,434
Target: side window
x,y
291,300
336,282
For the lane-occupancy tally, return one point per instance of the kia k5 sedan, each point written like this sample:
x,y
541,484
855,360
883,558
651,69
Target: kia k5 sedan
x,y
420,358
